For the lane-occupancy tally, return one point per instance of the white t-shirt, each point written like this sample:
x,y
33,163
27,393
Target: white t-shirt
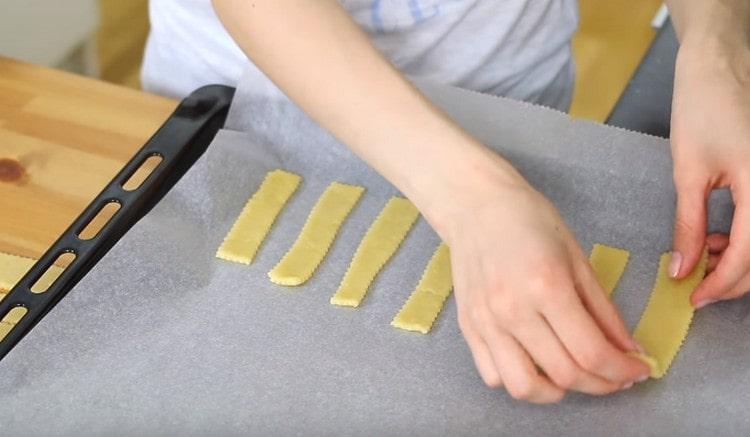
x,y
514,48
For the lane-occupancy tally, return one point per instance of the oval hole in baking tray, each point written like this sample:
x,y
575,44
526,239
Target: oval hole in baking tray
x,y
10,320
53,272
101,218
143,172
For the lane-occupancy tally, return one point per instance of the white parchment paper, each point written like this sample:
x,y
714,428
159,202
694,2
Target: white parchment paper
x,y
161,338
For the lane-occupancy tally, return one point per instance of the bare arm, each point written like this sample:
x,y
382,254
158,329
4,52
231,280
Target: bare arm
x,y
711,140
331,70
511,253
716,21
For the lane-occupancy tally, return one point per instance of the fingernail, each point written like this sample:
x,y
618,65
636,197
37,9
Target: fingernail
x,y
642,378
705,302
626,386
675,264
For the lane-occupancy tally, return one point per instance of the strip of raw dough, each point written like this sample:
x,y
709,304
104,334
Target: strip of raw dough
x,y
426,301
14,315
317,235
378,245
609,264
10,320
13,268
666,319
5,329
257,217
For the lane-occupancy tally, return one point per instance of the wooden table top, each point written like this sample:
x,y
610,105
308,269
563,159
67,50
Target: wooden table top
x,y
62,139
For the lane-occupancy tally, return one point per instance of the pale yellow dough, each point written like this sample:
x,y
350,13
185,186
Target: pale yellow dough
x,y
666,319
255,221
10,319
13,268
5,329
426,301
378,245
609,264
650,361
317,235
14,315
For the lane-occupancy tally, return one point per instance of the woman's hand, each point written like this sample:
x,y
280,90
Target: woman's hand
x,y
529,305
711,149
526,293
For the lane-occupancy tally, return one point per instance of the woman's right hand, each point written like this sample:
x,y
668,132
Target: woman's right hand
x,y
531,310
525,291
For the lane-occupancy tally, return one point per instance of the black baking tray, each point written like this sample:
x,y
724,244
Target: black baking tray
x,y
179,142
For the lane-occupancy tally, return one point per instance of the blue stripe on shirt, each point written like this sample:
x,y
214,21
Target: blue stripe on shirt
x,y
377,21
416,11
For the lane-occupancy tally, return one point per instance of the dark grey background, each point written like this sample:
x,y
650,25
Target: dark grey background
x,y
646,103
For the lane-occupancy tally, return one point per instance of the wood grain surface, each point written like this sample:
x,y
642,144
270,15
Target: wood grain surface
x,y
62,139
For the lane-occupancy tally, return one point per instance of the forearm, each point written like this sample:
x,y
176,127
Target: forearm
x,y
711,23
321,59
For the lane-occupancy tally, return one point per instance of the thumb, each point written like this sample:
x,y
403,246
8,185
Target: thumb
x,y
689,227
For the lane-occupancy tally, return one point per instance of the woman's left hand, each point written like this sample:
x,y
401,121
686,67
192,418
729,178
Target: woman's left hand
x,y
711,149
